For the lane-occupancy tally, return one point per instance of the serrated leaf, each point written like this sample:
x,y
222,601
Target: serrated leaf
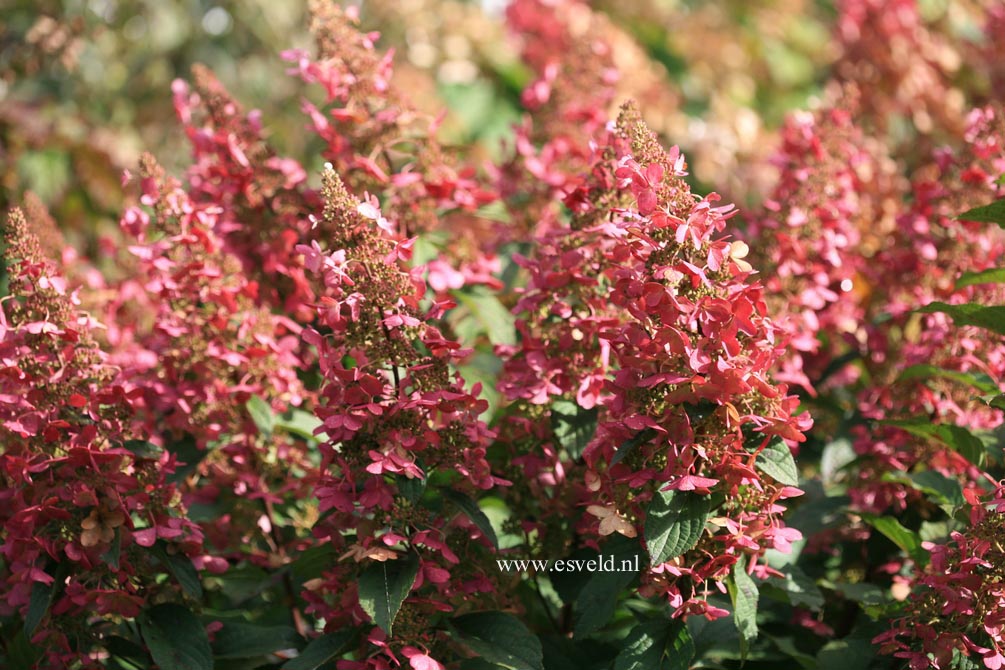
x,y
175,638
501,639
573,426
322,651
473,512
743,593
261,413
989,317
993,213
776,461
384,585
674,523
244,640
656,645
893,530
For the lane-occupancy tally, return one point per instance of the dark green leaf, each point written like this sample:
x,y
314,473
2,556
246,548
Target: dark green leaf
x,y
188,455
473,512
384,586
993,213
41,599
175,638
743,593
904,538
243,640
993,276
111,557
955,437
573,426
945,490
501,639
627,446
411,488
656,645
801,589
322,650
143,449
971,314
776,461
180,566
926,371
598,598
674,523
562,653
127,651
261,414
21,653
314,560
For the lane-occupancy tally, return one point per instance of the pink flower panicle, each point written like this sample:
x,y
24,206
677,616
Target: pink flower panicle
x,y
75,501
643,300
395,416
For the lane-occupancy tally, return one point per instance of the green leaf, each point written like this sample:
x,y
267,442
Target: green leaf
x,y
955,437
776,461
992,276
674,523
143,449
313,561
21,653
993,213
175,638
800,588
982,383
473,512
501,639
411,488
743,593
629,445
945,490
971,314
656,645
322,650
41,599
894,531
297,422
111,556
573,426
384,586
244,640
495,320
598,599
180,566
261,414
188,455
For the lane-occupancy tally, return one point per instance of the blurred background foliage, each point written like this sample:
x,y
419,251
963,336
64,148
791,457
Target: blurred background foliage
x,y
85,85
